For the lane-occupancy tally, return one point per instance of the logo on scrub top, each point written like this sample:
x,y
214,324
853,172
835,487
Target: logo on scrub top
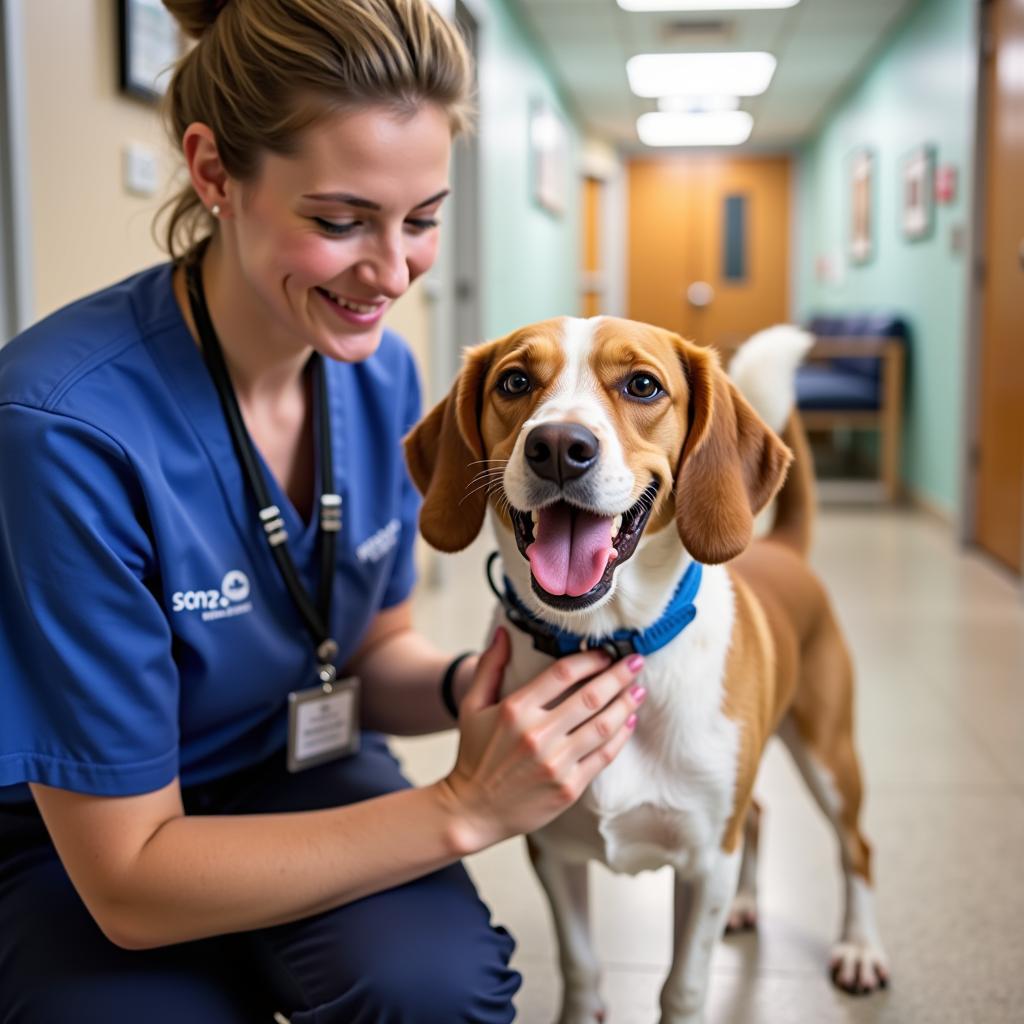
x,y
227,602
235,585
376,547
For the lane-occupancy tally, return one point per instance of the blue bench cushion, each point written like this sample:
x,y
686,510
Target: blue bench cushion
x,y
829,387
847,382
861,325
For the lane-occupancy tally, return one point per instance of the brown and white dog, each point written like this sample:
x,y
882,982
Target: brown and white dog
x,y
611,454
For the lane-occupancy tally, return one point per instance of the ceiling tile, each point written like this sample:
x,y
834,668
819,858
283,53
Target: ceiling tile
x,y
821,46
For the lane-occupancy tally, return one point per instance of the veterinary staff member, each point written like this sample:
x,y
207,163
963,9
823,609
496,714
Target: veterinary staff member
x,y
203,517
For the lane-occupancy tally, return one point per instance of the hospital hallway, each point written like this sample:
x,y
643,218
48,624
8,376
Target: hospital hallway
x,y
937,637
849,171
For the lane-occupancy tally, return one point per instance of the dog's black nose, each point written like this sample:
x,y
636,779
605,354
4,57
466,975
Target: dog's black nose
x,y
561,451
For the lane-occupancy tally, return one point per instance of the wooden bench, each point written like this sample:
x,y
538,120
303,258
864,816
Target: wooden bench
x,y
855,380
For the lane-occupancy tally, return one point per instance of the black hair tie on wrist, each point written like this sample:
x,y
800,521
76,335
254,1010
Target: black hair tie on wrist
x,y
448,682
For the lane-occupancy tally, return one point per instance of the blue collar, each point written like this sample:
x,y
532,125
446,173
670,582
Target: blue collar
x,y
558,642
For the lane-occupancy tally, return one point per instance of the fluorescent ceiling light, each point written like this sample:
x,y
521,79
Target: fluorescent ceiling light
x,y
728,128
698,104
704,5
665,74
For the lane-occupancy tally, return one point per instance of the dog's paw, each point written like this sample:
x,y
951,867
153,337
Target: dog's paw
x,y
859,967
742,914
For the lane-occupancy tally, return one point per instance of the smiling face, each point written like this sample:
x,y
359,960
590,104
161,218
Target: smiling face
x,y
328,238
587,419
587,438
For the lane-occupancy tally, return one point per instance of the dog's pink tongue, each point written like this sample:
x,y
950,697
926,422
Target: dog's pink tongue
x,y
571,549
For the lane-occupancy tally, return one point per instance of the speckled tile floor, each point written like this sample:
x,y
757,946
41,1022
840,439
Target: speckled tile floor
x,y
938,639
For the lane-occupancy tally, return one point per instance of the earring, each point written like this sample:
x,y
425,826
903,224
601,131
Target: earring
x,y
215,209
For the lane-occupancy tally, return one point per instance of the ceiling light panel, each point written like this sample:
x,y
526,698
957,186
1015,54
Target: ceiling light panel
x,y
727,128
705,5
698,104
674,74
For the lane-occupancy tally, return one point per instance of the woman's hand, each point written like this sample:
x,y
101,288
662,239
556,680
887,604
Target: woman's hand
x,y
523,760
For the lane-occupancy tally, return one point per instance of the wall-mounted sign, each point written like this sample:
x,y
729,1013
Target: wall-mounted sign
x,y
549,157
945,183
862,166
151,42
918,193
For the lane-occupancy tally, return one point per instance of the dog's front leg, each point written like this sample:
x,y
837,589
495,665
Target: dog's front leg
x,y
568,892
701,906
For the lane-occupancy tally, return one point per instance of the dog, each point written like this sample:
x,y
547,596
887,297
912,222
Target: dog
x,y
620,464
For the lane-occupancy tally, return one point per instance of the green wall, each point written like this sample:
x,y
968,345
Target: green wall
x,y
920,89
530,258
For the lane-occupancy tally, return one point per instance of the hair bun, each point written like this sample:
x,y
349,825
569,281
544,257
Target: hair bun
x,y
195,16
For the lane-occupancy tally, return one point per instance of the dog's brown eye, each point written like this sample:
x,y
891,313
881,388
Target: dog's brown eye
x,y
515,382
643,385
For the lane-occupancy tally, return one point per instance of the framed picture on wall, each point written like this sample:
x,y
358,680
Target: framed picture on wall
x,y
150,44
549,157
918,191
862,174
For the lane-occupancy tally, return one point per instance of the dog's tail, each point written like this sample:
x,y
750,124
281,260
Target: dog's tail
x,y
764,369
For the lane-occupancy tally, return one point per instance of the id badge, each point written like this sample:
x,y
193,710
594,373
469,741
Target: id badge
x,y
323,723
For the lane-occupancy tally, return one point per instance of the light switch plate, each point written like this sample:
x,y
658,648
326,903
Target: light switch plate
x,y
141,171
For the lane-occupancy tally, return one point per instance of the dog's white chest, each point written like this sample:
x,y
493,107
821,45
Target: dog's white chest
x,y
668,796
653,806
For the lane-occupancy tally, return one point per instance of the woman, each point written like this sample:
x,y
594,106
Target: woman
x,y
177,454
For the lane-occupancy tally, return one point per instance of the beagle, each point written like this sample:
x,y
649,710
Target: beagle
x,y
618,462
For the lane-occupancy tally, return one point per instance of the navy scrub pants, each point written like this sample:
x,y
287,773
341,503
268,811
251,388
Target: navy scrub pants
x,y
421,953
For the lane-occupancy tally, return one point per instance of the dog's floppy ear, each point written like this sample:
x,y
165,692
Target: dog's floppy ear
x,y
443,452
731,465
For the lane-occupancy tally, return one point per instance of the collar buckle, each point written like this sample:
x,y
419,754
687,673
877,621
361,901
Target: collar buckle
x,y
616,648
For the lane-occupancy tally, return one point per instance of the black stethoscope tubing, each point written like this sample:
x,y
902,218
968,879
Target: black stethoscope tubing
x,y
315,616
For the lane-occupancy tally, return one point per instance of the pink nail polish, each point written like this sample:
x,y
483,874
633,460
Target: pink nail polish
x,y
638,693
631,722
635,662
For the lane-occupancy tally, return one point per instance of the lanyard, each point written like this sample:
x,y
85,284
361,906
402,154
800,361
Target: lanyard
x,y
315,616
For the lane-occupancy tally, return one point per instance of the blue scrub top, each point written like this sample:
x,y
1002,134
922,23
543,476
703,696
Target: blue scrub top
x,y
145,631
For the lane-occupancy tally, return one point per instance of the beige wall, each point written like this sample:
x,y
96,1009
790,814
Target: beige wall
x,y
86,230
410,317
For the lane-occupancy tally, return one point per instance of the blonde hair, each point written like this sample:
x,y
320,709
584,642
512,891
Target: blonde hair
x,y
265,70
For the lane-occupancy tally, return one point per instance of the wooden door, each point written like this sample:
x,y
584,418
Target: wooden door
x,y
709,245
1000,468
592,276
